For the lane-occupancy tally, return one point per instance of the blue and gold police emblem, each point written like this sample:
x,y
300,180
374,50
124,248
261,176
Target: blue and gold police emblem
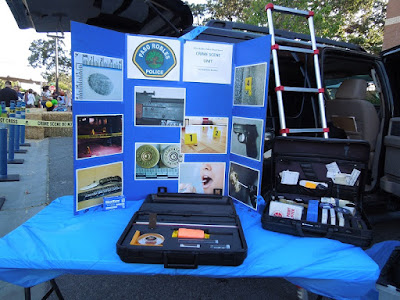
x,y
154,58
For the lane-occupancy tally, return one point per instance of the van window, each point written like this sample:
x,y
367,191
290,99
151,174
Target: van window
x,y
332,85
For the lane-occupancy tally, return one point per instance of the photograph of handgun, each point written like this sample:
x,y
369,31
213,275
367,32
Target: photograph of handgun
x,y
247,134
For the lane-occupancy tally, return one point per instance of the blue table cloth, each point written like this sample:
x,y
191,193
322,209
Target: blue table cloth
x,y
57,242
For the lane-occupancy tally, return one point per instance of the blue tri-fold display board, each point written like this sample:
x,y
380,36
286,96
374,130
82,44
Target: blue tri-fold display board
x,y
155,112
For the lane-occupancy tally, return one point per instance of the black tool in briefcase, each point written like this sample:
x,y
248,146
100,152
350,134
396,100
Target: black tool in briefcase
x,y
307,200
184,231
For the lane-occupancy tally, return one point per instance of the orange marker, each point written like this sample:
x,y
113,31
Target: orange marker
x,y
184,233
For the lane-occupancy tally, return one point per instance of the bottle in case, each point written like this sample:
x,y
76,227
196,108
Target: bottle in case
x,y
317,189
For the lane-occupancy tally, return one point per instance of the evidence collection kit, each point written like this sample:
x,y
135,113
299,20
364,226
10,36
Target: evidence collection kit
x,y
317,189
184,231
317,192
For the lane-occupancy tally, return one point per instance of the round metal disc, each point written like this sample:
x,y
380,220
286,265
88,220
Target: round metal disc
x,y
151,239
171,156
147,156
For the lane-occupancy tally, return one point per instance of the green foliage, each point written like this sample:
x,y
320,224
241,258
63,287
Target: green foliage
x,y
227,10
367,30
355,21
198,11
43,56
64,80
154,59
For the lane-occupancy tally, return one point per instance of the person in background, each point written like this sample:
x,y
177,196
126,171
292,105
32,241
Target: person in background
x,y
20,96
7,93
26,97
46,96
61,98
30,99
68,100
55,95
37,99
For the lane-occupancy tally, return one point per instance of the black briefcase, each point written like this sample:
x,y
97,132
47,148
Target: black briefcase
x,y
184,231
388,283
318,204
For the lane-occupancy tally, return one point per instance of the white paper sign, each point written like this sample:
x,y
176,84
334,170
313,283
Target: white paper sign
x,y
353,177
333,169
289,177
153,58
207,62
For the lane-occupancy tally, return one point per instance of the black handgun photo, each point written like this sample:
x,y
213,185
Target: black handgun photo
x,y
247,134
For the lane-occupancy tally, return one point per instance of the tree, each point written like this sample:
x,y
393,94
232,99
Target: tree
x,y
64,81
367,30
43,56
228,10
198,11
355,21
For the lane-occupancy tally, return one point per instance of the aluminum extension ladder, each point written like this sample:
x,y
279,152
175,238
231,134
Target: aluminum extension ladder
x,y
279,88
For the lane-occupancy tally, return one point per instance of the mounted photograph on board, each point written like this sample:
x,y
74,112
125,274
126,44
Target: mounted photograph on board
x,y
204,135
243,184
98,78
246,137
201,177
157,161
159,106
153,58
249,85
94,183
98,135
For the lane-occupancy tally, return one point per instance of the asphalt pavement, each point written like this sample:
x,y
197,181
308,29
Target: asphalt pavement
x,y
47,174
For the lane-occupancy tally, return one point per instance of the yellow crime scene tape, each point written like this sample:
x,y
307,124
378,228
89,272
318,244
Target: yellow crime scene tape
x,y
26,122
99,136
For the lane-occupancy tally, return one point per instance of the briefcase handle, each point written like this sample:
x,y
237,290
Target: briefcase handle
x,y
301,230
167,263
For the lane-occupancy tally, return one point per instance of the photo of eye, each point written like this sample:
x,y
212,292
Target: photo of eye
x,y
202,178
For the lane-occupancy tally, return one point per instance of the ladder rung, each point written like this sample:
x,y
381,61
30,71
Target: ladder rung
x,y
304,130
280,39
297,89
287,10
295,49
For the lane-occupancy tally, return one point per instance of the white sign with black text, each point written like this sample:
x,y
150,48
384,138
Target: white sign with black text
x,y
207,62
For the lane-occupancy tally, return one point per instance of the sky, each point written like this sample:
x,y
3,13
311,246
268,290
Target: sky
x,y
14,55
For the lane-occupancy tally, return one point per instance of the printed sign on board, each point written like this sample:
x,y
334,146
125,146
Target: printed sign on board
x,y
150,58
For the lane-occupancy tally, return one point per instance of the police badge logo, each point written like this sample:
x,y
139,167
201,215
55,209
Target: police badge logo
x,y
154,58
